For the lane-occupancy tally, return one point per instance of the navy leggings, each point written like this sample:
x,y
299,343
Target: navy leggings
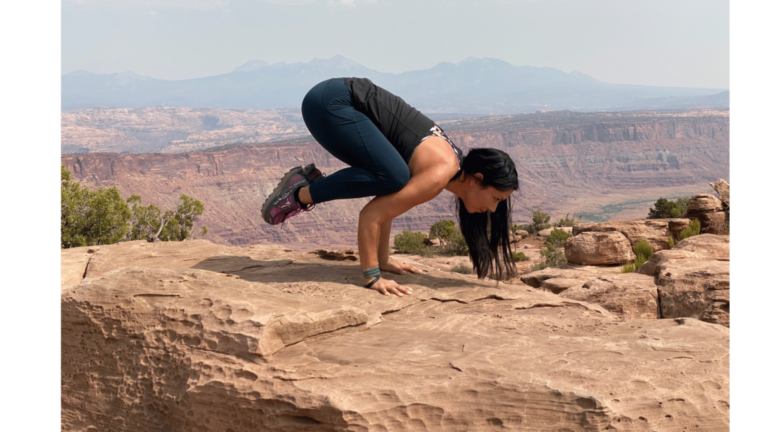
x,y
376,168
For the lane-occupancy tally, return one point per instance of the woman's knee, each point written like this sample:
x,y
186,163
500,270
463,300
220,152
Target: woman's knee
x,y
396,180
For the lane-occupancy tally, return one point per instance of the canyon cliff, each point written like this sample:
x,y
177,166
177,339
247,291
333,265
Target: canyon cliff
x,y
602,165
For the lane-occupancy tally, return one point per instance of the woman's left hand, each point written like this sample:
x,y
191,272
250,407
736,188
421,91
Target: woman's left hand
x,y
394,266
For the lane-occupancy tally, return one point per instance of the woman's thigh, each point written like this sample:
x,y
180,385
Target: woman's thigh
x,y
348,134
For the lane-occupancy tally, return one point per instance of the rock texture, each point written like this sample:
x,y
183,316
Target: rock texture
x,y
694,278
194,336
597,248
708,210
654,231
628,296
723,189
568,162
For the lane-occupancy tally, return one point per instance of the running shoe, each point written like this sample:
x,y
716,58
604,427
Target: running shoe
x,y
282,203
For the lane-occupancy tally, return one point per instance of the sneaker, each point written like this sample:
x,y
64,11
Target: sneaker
x,y
313,174
282,203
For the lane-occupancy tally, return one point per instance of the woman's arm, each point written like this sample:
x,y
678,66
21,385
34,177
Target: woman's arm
x,y
381,210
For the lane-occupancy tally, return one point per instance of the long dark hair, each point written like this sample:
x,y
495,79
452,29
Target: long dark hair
x,y
498,171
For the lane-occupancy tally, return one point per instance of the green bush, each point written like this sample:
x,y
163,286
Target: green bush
x,y
670,242
412,242
540,266
441,230
694,228
103,217
643,250
463,269
568,222
91,218
152,224
664,208
628,268
519,256
557,238
540,220
526,227
455,244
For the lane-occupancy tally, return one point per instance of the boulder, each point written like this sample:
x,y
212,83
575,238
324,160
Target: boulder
x,y
701,247
694,278
695,288
654,231
627,295
704,203
523,234
234,341
723,189
599,248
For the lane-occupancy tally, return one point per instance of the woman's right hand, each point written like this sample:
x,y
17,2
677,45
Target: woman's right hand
x,y
386,286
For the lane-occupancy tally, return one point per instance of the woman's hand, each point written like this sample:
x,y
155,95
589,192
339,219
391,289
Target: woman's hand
x,y
385,287
397,267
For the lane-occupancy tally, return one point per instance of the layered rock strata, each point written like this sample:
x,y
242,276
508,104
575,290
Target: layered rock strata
x,y
566,161
194,336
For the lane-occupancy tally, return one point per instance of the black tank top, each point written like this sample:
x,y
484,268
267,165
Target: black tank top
x,y
404,127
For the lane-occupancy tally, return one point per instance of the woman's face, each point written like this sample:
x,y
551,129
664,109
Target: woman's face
x,y
481,198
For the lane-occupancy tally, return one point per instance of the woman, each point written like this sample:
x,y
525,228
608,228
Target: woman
x,y
400,156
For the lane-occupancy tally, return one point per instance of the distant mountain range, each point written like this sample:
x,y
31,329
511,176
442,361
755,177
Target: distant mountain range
x,y
472,86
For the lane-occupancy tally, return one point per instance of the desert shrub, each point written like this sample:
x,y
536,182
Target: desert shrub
x,y
552,256
628,268
643,249
519,256
442,229
557,238
412,242
694,228
525,227
566,222
463,269
540,266
103,217
455,244
152,224
540,220
91,217
670,242
664,208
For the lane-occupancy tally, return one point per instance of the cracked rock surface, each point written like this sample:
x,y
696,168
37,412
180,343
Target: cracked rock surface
x,y
193,336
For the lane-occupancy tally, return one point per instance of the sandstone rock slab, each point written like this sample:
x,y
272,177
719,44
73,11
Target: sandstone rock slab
x,y
654,231
74,262
599,248
523,234
150,348
628,295
695,288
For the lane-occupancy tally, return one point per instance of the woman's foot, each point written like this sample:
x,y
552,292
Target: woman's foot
x,y
283,202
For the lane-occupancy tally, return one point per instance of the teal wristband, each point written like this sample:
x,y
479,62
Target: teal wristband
x,y
371,272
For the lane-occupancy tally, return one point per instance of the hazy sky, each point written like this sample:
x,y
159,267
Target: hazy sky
x,y
654,42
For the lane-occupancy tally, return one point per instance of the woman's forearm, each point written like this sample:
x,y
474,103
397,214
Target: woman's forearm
x,y
383,251
368,234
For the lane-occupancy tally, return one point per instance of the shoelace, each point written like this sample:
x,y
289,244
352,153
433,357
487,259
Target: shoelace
x,y
310,207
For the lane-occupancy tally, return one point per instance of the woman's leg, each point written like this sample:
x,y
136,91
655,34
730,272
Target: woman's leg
x,y
376,167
